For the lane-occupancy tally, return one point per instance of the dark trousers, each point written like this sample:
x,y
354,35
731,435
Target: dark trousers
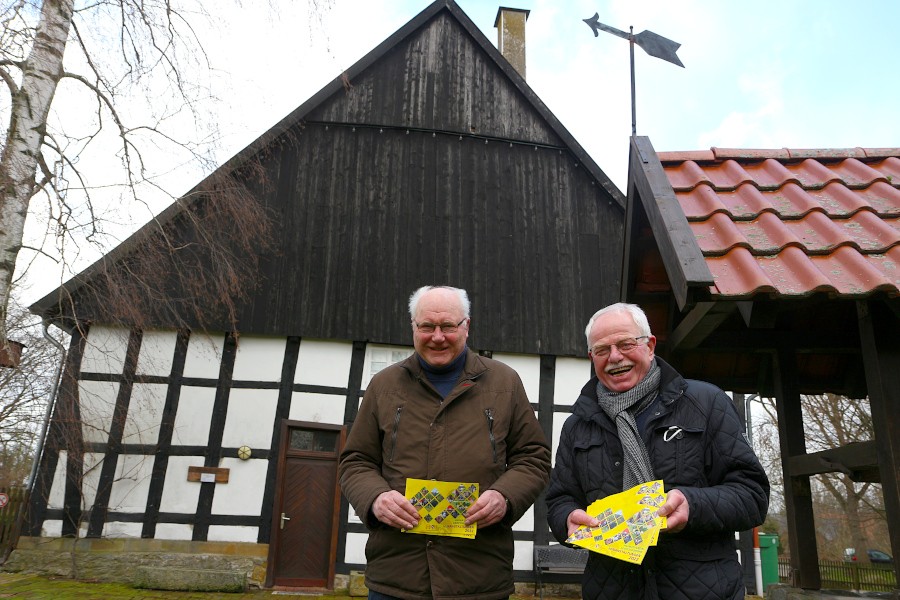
x,y
379,596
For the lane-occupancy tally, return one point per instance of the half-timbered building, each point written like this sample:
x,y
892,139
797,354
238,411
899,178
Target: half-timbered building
x,y
212,443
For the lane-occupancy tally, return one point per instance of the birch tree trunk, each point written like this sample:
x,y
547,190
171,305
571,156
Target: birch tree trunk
x,y
42,71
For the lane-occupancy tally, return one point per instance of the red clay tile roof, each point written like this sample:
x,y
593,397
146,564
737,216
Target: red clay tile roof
x,y
791,223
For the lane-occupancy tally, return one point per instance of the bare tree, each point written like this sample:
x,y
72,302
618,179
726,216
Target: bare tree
x,y
24,392
831,421
119,78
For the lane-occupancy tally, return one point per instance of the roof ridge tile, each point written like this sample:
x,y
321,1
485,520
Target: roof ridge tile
x,y
749,153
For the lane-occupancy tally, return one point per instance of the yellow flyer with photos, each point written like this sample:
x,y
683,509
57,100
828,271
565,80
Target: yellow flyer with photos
x,y
442,506
628,525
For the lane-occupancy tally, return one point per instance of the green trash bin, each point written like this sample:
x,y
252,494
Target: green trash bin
x,y
768,555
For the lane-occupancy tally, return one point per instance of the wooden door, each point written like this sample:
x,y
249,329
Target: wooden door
x,y
307,506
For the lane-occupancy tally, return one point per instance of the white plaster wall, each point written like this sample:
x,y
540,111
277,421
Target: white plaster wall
x,y
526,522
204,355
259,359
173,531
93,463
355,551
529,369
323,363
157,352
558,420
571,375
97,400
117,529
131,483
243,493
105,349
232,533
56,499
524,557
51,528
317,408
192,420
250,418
179,494
145,410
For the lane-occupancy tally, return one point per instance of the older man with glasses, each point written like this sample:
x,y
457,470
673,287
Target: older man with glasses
x,y
638,420
444,414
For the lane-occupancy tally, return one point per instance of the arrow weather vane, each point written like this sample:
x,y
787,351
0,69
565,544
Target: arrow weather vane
x,y
652,43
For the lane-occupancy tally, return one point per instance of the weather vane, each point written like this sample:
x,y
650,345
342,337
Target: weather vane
x,y
652,43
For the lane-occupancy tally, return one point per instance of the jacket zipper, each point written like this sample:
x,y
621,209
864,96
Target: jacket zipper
x,y
394,433
489,413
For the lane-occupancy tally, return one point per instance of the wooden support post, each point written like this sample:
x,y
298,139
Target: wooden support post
x,y
879,332
797,493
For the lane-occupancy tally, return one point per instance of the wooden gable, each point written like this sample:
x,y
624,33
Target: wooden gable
x,y
429,161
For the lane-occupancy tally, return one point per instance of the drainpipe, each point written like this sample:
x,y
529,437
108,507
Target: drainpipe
x,y
757,562
46,423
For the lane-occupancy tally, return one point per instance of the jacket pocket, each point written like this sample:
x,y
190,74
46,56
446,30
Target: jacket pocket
x,y
679,454
598,467
394,432
489,415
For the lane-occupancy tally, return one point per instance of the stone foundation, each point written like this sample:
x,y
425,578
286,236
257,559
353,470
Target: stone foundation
x,y
129,560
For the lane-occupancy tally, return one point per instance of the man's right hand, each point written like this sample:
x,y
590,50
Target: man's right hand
x,y
579,517
393,509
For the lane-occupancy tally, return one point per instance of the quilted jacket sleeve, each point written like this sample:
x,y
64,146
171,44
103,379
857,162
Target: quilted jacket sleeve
x,y
737,495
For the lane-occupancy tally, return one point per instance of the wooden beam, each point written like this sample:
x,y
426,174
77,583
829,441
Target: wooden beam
x,y
797,492
758,315
879,329
699,324
678,247
762,340
859,461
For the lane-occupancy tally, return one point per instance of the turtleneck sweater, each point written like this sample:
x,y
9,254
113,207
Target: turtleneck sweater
x,y
444,378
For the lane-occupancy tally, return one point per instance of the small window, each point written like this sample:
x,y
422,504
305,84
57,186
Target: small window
x,y
380,357
310,440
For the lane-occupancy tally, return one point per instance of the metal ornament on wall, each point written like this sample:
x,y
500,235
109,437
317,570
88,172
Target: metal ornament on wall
x,y
652,43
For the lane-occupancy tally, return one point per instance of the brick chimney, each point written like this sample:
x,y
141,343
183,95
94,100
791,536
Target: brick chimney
x,y
510,24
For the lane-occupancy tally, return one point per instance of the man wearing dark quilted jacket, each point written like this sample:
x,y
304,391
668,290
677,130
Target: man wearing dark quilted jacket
x,y
638,420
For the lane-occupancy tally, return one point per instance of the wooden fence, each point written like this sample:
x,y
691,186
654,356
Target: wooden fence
x,y
839,575
12,513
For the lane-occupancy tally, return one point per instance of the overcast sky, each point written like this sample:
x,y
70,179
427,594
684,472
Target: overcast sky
x,y
762,74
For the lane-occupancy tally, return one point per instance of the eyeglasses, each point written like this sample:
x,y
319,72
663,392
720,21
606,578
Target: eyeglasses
x,y
624,346
429,328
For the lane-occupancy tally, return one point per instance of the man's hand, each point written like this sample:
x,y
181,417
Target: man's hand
x,y
676,511
490,508
393,509
579,517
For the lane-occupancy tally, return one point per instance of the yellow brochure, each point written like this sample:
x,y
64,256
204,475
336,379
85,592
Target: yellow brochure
x,y
442,506
628,525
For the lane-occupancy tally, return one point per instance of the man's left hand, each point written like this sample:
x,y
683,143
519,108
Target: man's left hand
x,y
676,511
490,508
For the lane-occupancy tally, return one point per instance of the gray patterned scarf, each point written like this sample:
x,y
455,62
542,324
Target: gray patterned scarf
x,y
621,407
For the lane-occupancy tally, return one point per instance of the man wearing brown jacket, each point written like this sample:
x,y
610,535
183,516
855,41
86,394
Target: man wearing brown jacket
x,y
445,414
